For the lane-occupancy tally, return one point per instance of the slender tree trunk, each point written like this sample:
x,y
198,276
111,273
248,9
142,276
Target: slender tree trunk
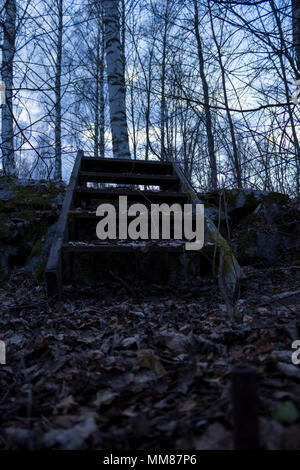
x,y
296,32
8,52
287,93
97,97
208,119
148,81
134,136
163,89
102,101
123,38
116,82
58,72
237,166
163,107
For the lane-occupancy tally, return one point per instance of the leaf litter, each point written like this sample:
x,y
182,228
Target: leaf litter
x,y
147,369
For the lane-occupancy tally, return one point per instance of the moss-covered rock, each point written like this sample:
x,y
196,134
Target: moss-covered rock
x,y
39,253
241,202
263,224
270,231
27,209
229,271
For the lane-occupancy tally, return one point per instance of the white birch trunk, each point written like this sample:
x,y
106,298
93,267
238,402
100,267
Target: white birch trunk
x,y
116,81
8,52
58,165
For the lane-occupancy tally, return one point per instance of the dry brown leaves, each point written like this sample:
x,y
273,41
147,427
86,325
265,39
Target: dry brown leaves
x,y
108,369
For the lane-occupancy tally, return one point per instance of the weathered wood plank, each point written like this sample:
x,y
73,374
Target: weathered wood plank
x,y
129,178
88,194
230,271
126,165
53,271
123,248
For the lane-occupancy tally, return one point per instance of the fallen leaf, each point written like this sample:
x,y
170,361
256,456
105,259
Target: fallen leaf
x,y
127,342
285,412
105,397
65,405
70,439
151,361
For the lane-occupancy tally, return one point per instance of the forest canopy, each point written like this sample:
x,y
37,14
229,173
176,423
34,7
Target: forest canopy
x,y
209,84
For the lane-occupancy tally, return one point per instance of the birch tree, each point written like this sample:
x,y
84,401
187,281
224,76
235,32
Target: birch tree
x,y
8,53
58,65
208,118
116,80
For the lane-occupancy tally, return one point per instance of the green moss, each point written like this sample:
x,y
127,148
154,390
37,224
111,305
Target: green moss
x,y
37,248
35,195
191,194
30,196
32,204
283,291
222,244
41,271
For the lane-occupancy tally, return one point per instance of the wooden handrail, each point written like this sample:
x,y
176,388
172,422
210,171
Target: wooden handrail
x,y
230,271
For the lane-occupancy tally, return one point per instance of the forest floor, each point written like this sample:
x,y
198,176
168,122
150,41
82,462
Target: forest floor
x,y
128,366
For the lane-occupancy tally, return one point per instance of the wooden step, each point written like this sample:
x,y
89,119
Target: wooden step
x,y
85,216
70,230
165,181
82,226
125,246
114,165
107,195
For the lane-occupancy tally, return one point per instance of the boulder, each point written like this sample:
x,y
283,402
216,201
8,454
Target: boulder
x,y
264,226
270,232
28,211
39,255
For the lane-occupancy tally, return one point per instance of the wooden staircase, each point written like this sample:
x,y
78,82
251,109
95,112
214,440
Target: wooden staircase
x,y
76,228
